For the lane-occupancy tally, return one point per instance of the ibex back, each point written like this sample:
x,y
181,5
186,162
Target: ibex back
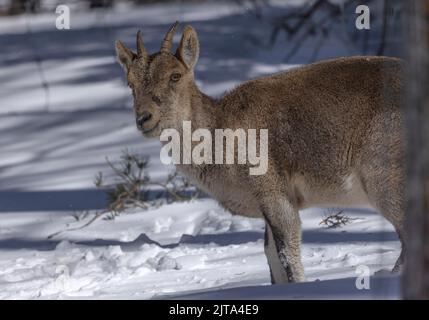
x,y
335,137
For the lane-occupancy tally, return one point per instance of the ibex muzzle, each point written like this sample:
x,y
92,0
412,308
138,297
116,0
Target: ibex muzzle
x,y
335,137
141,120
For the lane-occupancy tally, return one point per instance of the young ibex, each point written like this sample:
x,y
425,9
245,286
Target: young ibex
x,y
335,137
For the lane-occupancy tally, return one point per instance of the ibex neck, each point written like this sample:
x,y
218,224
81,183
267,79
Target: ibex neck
x,y
203,110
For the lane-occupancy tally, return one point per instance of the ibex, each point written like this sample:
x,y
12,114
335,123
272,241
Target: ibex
x,y
335,137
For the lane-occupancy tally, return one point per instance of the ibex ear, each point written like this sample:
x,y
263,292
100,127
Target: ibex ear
x,y
189,48
125,56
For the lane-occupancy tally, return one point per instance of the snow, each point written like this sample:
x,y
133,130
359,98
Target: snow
x,y
173,250
49,159
382,287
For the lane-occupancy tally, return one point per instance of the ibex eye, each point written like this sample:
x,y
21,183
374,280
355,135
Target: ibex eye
x,y
175,77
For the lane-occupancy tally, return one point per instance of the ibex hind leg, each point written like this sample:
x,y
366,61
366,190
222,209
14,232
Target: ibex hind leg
x,y
386,194
394,213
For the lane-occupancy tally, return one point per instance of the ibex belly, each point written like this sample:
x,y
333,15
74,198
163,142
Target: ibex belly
x,y
347,193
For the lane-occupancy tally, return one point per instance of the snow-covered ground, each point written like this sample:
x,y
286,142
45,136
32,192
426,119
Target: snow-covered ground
x,y
173,250
48,161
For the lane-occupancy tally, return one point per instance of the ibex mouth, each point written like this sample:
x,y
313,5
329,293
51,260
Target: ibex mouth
x,y
146,131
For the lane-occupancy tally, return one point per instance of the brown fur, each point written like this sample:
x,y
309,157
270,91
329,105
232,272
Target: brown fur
x,y
335,138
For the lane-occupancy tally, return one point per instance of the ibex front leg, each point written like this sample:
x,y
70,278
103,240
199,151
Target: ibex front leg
x,y
283,241
277,271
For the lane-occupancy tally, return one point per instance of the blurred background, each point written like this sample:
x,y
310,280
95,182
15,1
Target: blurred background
x,y
66,78
65,107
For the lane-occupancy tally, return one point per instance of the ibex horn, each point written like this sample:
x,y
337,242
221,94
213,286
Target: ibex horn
x,y
168,39
141,51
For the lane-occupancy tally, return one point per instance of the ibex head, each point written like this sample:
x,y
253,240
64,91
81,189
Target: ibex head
x,y
162,83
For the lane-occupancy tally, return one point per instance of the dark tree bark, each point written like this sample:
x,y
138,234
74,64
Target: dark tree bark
x,y
416,275
21,6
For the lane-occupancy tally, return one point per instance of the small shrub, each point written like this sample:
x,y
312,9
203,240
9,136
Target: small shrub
x,y
130,178
130,187
131,184
336,220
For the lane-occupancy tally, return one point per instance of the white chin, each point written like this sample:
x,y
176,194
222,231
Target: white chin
x,y
152,133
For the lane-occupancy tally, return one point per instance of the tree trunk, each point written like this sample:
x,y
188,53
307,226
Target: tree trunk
x,y
416,274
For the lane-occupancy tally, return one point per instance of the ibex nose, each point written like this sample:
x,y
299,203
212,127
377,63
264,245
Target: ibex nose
x,y
146,116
